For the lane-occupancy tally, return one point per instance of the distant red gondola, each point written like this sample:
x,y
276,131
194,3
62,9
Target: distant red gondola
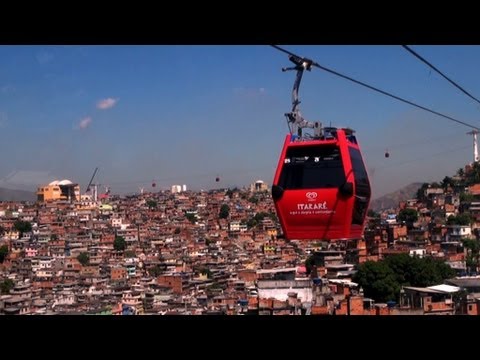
x,y
321,189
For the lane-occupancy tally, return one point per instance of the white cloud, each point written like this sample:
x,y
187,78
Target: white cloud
x,y
106,103
44,57
84,123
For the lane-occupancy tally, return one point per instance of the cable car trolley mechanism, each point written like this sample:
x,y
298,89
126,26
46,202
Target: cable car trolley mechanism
x,y
321,188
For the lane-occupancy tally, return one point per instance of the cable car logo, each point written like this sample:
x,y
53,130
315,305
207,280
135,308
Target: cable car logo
x,y
311,195
310,206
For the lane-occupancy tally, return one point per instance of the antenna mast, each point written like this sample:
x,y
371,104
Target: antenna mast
x,y
474,132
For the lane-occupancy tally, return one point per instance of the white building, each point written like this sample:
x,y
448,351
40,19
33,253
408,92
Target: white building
x,y
418,252
458,232
258,185
176,189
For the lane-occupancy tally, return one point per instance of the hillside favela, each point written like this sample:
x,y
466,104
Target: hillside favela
x,y
203,200
221,252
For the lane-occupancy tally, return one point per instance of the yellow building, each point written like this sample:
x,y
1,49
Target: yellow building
x,y
59,190
272,232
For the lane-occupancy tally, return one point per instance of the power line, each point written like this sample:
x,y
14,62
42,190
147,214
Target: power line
x,y
186,177
414,142
423,157
442,74
313,63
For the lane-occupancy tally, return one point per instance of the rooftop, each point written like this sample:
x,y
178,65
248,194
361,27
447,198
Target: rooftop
x,y
61,182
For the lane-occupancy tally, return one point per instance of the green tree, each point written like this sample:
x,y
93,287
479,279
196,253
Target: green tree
x,y
464,219
378,281
273,216
473,250
130,254
421,192
152,204
473,176
191,217
119,244
83,258
409,216
156,271
22,227
3,253
460,219
416,271
260,216
447,182
452,220
382,280
460,172
472,245
229,193
466,197
205,271
310,263
6,285
224,211
251,223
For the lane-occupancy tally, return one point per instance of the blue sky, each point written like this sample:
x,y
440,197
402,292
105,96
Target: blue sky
x,y
186,114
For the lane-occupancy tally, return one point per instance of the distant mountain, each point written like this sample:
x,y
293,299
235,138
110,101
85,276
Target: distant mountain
x,y
16,195
391,200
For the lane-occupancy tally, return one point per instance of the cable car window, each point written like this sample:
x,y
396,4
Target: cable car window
x,y
362,187
352,139
312,167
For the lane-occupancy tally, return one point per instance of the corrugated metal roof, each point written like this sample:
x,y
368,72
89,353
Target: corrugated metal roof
x,y
445,288
423,289
465,282
277,270
342,281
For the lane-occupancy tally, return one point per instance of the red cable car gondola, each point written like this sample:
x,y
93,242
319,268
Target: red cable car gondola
x,y
321,189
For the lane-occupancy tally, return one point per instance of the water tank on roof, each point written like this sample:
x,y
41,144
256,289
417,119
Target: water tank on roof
x,y
391,304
